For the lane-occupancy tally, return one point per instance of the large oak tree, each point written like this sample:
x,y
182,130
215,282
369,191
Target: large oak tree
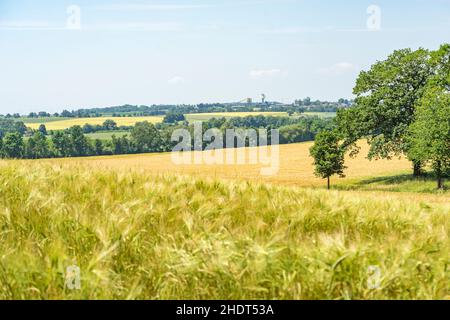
x,y
385,104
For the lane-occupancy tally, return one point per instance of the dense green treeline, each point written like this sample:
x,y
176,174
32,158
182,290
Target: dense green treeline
x,y
145,137
9,126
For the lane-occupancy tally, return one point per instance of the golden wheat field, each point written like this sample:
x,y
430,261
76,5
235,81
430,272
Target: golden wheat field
x,y
121,121
296,166
295,169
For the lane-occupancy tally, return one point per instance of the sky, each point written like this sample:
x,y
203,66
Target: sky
x,y
57,55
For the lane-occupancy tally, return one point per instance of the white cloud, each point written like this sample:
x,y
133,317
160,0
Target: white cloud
x,y
119,26
338,69
150,7
267,73
294,30
137,26
176,80
297,30
27,25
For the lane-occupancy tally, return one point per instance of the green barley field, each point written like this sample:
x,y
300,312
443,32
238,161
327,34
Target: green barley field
x,y
136,235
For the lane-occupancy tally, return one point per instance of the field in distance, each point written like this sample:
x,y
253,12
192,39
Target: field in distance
x,y
107,135
53,123
41,120
206,116
121,121
321,114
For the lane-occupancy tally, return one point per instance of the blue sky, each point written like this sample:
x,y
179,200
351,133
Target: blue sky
x,y
192,51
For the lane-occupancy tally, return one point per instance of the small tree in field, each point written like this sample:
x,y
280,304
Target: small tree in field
x,y
328,156
42,129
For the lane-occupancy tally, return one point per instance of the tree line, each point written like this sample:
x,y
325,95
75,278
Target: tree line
x,y
402,108
145,137
300,106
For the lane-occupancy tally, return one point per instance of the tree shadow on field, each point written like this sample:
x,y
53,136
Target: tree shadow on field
x,y
398,183
397,179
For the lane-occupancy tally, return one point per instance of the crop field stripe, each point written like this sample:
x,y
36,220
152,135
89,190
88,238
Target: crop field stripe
x,y
121,121
57,124
296,169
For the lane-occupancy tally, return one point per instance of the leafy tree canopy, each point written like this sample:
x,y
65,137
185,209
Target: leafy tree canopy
x,y
328,155
386,96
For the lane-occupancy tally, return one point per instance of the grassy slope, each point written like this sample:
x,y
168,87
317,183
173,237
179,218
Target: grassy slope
x,y
137,235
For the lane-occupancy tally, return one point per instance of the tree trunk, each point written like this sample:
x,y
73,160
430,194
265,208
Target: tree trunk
x,y
417,168
328,183
439,175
